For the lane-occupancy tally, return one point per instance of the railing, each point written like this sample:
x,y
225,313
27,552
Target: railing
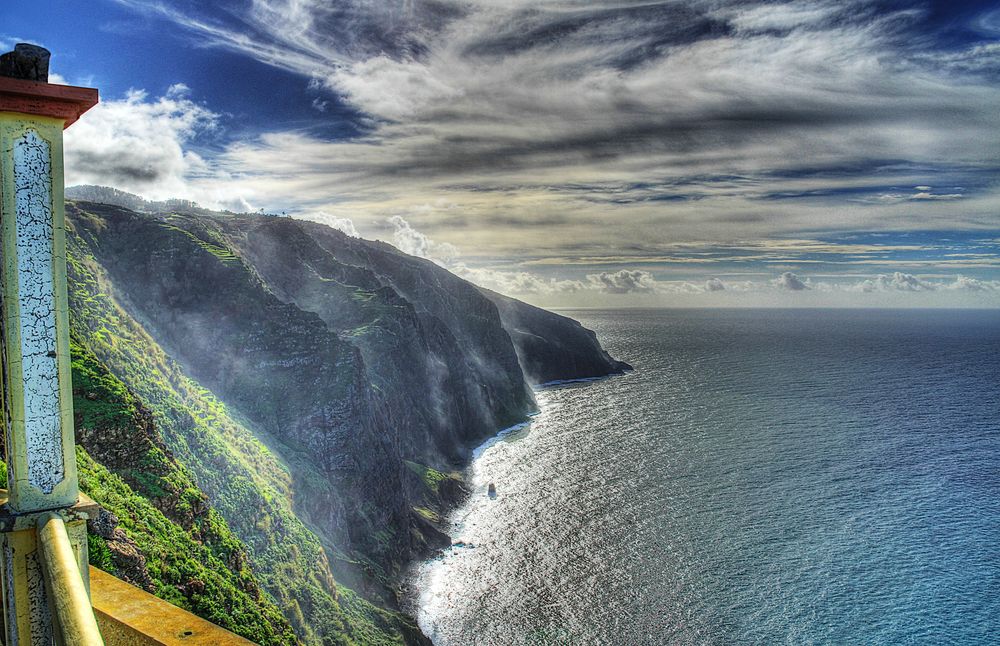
x,y
44,575
46,549
74,614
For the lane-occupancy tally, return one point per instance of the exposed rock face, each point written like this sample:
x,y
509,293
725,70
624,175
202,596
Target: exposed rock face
x,y
373,372
432,345
128,560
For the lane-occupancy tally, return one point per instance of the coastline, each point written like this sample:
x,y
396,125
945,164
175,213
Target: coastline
x,y
410,597
763,496
410,591
502,433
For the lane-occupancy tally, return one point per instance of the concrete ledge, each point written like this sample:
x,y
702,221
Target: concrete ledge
x,y
128,616
12,521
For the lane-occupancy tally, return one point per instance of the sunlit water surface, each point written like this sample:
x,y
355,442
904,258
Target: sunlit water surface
x,y
764,477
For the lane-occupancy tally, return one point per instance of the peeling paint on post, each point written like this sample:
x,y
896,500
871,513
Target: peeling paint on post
x,y
42,403
37,389
37,392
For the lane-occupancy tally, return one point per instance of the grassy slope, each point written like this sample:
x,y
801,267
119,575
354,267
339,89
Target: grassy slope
x,y
175,560
192,558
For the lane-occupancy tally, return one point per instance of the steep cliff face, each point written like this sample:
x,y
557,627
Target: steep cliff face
x,y
277,364
321,390
548,346
433,346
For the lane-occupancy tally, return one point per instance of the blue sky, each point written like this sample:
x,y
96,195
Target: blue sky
x,y
570,152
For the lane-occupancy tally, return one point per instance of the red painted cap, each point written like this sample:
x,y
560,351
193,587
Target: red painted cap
x,y
46,99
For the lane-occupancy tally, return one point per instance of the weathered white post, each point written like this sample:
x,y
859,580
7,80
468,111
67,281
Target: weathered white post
x,y
37,394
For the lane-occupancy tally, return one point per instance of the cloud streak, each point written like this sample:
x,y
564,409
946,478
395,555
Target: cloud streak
x,y
473,88
567,129
562,99
787,288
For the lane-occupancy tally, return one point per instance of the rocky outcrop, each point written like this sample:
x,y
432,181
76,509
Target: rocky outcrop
x,y
551,347
126,558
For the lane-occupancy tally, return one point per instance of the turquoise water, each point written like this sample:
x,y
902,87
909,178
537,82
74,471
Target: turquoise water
x,y
764,477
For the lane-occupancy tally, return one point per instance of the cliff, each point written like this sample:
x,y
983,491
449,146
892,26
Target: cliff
x,y
296,401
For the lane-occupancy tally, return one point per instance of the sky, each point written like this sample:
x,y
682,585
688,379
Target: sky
x,y
593,153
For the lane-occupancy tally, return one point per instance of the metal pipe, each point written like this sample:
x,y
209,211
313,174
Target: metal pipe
x,y
74,614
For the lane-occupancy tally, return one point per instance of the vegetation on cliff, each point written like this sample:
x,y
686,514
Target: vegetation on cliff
x,y
183,570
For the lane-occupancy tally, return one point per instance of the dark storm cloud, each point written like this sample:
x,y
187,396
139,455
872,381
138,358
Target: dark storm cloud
x,y
124,167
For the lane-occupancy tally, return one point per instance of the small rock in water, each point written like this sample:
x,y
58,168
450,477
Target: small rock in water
x,y
492,491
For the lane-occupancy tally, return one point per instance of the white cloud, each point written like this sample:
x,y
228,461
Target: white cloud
x,y
973,284
137,144
897,281
714,285
624,281
789,15
978,58
516,283
924,194
341,224
409,240
415,88
790,281
936,196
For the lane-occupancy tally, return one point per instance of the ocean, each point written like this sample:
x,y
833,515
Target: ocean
x,y
763,477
